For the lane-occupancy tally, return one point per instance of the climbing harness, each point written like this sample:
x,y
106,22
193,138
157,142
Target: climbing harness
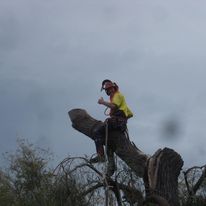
x,y
126,132
106,138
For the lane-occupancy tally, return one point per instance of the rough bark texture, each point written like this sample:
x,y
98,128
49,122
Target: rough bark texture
x,y
160,172
163,170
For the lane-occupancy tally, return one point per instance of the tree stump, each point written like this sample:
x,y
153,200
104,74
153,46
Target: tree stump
x,y
160,172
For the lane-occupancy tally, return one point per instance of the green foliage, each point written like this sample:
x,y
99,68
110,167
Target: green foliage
x,y
29,175
68,192
6,191
30,181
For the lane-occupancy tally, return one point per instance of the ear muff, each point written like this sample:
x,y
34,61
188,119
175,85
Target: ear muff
x,y
116,86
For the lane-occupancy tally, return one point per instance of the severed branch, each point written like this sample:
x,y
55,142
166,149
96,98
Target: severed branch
x,y
125,149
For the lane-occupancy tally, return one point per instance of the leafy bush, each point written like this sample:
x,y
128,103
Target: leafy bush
x,y
30,181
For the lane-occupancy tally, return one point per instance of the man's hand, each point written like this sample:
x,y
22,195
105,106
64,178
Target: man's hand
x,y
107,104
101,100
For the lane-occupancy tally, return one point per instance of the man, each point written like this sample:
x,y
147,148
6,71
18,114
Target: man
x,y
119,114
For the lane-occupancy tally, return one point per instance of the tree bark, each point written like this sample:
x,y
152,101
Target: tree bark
x,y
160,172
163,169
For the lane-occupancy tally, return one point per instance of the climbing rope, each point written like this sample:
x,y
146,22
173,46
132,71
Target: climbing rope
x,y
105,111
106,163
105,180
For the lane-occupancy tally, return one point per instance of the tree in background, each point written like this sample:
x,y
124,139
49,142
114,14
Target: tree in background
x,y
7,195
31,182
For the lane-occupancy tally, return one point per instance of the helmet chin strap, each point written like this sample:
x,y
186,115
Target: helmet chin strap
x,y
108,92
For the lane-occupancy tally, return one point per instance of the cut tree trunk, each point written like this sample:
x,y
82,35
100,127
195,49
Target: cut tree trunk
x,y
160,171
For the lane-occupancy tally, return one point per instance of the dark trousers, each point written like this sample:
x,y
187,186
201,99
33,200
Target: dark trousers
x,y
113,123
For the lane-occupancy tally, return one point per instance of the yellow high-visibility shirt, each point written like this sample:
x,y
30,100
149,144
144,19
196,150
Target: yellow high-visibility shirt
x,y
119,100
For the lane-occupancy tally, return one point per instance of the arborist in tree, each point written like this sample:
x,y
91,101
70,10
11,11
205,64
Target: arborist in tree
x,y
119,114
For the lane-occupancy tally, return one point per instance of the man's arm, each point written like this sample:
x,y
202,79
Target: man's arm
x,y
107,104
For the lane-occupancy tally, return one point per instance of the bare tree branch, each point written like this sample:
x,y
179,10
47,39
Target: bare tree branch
x,y
193,189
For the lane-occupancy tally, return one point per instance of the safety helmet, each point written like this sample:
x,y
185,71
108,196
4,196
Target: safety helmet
x,y
106,84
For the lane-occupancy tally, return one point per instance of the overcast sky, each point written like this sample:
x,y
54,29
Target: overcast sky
x,y
54,55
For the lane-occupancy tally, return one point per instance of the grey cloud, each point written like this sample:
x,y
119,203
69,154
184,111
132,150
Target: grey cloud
x,y
8,33
54,55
